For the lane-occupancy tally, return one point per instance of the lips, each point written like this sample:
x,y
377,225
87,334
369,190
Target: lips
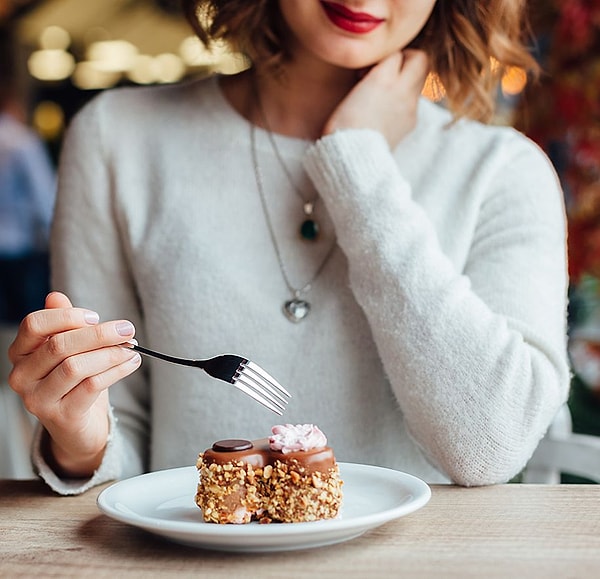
x,y
350,21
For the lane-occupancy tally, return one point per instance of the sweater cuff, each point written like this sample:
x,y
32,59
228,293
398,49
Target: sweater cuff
x,y
348,160
110,469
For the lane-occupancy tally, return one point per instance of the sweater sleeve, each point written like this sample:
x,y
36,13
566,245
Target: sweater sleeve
x,y
109,469
476,358
90,265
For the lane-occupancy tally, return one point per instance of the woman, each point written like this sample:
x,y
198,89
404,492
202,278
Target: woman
x,y
418,317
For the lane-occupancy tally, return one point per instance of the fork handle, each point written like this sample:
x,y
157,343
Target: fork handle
x,y
167,358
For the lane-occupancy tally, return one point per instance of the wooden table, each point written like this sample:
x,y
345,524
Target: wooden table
x,y
504,531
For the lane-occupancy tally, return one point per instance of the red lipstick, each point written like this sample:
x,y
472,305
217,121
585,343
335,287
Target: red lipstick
x,y
350,21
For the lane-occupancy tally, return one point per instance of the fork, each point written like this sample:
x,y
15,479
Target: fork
x,y
245,375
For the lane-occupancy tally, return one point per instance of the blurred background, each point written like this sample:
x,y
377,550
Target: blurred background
x,y
58,54
69,50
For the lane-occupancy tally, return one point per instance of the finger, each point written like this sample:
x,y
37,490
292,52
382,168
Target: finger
x,y
58,348
415,66
387,68
57,300
38,326
84,395
86,372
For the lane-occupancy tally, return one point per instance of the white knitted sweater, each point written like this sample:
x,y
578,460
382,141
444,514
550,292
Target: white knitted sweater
x,y
436,343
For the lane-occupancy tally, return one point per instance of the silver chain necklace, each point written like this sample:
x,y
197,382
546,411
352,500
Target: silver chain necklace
x,y
309,228
296,308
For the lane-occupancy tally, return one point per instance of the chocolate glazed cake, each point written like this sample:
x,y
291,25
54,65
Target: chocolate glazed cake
x,y
290,477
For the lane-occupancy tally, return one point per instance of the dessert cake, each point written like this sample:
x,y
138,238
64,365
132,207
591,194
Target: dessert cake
x,y
290,477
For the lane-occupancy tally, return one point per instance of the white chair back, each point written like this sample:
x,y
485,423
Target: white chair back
x,y
564,451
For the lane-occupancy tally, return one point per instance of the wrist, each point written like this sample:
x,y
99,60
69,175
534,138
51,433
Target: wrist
x,y
68,465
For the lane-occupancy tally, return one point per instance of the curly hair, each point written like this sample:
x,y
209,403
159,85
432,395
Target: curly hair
x,y
470,44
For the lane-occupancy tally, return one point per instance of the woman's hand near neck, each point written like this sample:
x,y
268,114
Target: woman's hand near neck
x,y
314,98
386,99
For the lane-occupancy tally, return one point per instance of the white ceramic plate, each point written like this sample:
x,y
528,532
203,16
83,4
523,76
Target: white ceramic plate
x,y
162,502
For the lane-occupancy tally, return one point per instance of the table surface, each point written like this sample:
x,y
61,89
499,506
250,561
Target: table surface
x,y
500,531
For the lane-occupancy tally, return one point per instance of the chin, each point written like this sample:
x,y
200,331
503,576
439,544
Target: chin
x,y
350,59
360,63
355,55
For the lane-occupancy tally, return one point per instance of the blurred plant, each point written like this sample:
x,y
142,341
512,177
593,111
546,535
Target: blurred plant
x,y
566,118
562,114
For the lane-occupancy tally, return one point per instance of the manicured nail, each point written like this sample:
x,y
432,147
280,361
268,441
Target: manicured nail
x,y
135,360
91,318
125,328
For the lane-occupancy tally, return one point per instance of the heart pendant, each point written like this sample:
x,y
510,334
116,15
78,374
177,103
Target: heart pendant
x,y
296,310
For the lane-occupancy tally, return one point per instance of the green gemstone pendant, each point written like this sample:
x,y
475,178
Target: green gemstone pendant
x,y
309,230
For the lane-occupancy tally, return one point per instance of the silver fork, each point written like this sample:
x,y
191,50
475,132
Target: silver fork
x,y
245,375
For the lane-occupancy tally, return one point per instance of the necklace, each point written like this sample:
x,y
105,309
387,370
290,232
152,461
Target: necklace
x,y
309,228
296,308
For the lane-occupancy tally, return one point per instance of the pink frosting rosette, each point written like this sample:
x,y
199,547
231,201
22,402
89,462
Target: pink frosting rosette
x,y
292,438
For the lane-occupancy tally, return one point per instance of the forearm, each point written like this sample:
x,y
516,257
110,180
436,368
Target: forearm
x,y
478,380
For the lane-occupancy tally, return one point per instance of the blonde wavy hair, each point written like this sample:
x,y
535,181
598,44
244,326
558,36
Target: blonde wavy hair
x,y
470,44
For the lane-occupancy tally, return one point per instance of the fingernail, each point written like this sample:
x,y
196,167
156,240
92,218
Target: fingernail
x,y
135,360
91,318
125,328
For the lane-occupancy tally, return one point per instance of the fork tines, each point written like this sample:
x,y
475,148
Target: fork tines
x,y
260,385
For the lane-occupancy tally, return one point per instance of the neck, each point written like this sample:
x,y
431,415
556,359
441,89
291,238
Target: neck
x,y
296,105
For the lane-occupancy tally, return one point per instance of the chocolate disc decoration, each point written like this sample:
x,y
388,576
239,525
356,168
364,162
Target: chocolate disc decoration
x,y
232,445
